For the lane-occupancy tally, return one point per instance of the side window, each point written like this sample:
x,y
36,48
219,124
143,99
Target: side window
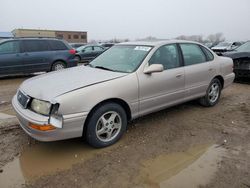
x,y
10,47
97,48
57,45
35,46
192,54
167,56
88,49
210,56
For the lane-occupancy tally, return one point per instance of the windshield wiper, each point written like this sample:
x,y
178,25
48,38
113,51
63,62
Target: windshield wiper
x,y
104,68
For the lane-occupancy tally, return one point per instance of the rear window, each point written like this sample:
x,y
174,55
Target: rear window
x,y
57,45
35,45
209,55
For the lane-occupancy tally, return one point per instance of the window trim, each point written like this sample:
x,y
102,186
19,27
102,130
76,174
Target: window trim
x,y
198,45
203,50
181,64
19,46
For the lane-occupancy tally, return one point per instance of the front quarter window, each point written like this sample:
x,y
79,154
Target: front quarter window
x,y
122,58
10,47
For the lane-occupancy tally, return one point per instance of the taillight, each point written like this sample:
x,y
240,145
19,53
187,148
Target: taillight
x,y
72,51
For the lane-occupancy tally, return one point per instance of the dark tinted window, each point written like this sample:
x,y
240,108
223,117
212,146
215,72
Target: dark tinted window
x,y
9,47
57,45
35,45
167,56
192,54
210,56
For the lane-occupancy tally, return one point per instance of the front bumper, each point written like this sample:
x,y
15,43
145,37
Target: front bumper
x,y
72,124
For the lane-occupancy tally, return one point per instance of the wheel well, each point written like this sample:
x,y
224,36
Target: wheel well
x,y
221,79
58,60
78,56
113,100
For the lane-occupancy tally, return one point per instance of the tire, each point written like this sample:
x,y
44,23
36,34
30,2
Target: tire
x,y
212,94
58,65
106,125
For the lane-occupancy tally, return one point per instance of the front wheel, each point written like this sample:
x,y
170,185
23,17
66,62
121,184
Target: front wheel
x,y
106,125
213,93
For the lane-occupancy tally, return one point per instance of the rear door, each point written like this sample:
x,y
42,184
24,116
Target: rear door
x,y
36,55
10,60
198,70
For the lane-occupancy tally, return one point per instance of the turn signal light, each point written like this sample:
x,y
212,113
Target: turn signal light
x,y
42,127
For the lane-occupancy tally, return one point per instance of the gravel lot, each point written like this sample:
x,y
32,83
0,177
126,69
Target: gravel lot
x,y
183,146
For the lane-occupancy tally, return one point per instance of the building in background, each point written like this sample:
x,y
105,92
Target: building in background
x,y
70,36
6,35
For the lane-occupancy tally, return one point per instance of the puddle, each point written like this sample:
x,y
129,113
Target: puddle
x,y
191,168
44,159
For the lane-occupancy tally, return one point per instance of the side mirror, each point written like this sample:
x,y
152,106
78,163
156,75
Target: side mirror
x,y
83,51
153,68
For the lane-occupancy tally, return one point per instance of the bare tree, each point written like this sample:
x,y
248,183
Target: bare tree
x,y
216,38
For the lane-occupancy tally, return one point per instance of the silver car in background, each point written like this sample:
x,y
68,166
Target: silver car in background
x,y
127,81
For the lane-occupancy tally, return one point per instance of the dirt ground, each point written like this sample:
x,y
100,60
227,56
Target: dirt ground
x,y
183,146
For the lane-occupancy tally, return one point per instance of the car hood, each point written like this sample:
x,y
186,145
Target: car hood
x,y
48,86
236,55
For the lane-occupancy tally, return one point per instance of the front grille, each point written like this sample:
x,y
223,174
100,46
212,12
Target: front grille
x,y
23,99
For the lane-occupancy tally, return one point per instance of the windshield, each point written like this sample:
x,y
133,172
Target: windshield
x,y
244,47
123,58
222,44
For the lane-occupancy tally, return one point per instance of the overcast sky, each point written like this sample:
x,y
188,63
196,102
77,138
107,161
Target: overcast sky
x,y
107,19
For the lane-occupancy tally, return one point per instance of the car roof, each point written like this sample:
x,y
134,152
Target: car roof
x,y
156,42
23,38
89,45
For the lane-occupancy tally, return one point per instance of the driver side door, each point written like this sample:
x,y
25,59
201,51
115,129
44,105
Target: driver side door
x,y
162,89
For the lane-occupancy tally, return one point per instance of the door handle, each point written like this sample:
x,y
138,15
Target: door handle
x,y
178,75
210,69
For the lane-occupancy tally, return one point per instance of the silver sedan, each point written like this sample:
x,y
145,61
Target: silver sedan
x,y
125,82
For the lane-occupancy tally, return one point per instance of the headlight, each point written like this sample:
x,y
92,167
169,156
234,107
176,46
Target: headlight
x,y
41,107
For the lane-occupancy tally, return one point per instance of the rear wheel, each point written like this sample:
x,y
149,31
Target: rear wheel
x,y
59,65
213,93
106,125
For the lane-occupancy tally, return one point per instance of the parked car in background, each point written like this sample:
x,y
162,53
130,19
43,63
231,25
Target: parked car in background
x,y
88,52
29,55
107,45
225,46
77,45
209,44
125,82
241,59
